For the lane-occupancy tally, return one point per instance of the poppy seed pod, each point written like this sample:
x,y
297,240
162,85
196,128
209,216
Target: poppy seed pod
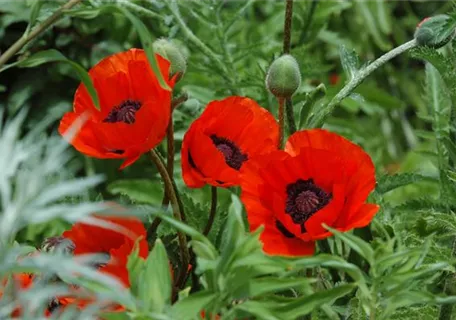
x,y
170,52
435,31
284,77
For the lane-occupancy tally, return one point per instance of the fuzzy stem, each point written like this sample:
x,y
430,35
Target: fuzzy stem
x,y
362,74
213,211
179,100
287,26
281,121
169,187
22,41
290,116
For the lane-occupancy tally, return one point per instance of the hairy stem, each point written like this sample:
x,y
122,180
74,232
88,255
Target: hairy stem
x,y
179,100
362,74
290,116
213,211
21,42
287,26
169,187
281,121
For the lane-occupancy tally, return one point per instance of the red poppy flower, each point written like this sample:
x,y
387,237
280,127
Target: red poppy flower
x,y
223,138
134,113
334,78
116,244
320,178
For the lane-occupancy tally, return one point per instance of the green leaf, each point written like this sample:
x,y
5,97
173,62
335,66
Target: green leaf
x,y
350,62
356,243
53,55
189,308
259,309
387,183
305,305
264,285
138,190
135,265
115,316
155,284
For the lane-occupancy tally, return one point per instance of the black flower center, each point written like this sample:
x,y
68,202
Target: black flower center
x,y
231,152
304,198
125,112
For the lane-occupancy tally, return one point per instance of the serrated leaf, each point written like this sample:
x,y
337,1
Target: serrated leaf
x,y
387,183
138,190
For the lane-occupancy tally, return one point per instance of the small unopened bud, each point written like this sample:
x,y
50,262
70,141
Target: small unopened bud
x,y
435,31
284,77
170,52
59,244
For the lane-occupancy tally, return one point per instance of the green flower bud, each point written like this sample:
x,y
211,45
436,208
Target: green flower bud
x,y
284,77
170,52
435,31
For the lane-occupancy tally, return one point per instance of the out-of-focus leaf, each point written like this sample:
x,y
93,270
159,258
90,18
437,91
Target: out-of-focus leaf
x,y
53,55
190,307
138,190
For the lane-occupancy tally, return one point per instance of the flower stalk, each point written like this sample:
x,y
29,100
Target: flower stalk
x,y
169,188
26,38
362,74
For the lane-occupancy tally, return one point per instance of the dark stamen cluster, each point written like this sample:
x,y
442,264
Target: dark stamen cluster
x,y
304,198
233,155
125,112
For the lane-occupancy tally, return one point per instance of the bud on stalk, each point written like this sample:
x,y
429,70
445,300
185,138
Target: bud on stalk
x,y
435,31
284,77
169,51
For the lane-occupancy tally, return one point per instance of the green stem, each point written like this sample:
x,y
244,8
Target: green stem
x,y
287,26
179,100
362,74
281,121
21,42
290,116
213,211
178,214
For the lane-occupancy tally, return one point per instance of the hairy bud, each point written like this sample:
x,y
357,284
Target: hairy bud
x,y
435,31
284,77
169,51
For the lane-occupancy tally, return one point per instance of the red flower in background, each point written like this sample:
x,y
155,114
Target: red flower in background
x,y
227,134
134,113
320,178
22,282
116,244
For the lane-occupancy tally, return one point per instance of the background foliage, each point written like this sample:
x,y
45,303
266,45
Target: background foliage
x,y
402,116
